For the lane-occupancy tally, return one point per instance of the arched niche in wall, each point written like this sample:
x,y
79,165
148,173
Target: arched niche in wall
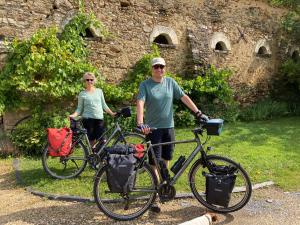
x,y
262,48
220,43
295,54
90,33
164,37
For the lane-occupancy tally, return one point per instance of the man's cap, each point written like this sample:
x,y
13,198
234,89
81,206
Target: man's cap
x,y
158,61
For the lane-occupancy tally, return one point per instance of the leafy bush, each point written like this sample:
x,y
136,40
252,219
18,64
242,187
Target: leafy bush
x,y
289,3
291,24
126,123
266,109
30,136
184,118
43,72
211,92
46,69
291,70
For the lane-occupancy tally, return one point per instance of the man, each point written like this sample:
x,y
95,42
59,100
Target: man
x,y
156,95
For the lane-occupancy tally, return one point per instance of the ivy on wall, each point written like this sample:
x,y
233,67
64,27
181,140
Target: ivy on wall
x,y
47,67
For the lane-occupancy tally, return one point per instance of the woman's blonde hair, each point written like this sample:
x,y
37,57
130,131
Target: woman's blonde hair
x,y
87,75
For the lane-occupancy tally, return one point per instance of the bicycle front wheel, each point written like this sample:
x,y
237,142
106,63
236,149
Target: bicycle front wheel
x,y
240,194
66,167
128,206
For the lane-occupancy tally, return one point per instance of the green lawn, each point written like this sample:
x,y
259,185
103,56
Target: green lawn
x,y
268,150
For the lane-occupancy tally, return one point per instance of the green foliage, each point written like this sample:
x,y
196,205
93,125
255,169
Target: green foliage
x,y
75,30
264,110
211,92
30,136
140,72
184,118
288,3
291,24
213,86
126,123
44,68
291,70
42,71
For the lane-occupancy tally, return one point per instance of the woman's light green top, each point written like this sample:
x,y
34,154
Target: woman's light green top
x,y
91,104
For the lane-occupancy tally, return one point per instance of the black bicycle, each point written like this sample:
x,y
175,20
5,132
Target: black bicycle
x,y
82,152
207,172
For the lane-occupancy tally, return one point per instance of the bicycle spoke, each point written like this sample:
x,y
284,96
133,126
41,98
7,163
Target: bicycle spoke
x,y
65,167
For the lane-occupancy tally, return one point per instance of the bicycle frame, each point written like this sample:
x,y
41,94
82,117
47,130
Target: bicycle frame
x,y
198,148
116,130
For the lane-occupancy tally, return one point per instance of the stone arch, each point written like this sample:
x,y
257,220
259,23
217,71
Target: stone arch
x,y
219,42
295,54
163,36
262,48
91,32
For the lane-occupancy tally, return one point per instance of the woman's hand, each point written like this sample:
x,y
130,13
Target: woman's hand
x,y
73,115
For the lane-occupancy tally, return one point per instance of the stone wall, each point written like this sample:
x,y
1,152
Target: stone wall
x,y
192,28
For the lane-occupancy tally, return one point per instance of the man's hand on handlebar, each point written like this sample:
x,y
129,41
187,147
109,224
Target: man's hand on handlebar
x,y
201,117
144,128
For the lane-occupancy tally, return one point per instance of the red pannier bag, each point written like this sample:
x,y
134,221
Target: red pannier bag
x,y
59,141
139,151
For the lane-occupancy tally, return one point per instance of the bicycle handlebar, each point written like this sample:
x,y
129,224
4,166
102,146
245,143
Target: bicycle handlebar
x,y
140,130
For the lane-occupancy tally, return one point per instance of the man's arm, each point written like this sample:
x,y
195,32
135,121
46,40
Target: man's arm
x,y
189,103
140,112
140,117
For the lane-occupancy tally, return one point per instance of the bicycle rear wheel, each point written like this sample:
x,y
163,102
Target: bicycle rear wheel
x,y
65,167
126,206
240,194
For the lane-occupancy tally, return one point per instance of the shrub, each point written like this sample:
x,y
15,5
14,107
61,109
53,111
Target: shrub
x,y
30,137
45,69
126,123
184,118
211,92
291,70
266,109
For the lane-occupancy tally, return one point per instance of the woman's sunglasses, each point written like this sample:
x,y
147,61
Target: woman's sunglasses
x,y
87,80
158,66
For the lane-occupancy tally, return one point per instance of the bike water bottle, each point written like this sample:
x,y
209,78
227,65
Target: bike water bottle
x,y
178,164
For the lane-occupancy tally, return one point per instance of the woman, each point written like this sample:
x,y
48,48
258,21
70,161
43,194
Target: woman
x,y
91,104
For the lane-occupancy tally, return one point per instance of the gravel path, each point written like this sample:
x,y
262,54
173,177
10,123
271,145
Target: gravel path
x,y
19,207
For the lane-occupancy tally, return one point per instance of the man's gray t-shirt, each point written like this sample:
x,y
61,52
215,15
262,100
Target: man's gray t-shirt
x,y
158,98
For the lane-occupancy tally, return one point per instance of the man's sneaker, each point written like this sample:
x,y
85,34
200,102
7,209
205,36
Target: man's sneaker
x,y
155,208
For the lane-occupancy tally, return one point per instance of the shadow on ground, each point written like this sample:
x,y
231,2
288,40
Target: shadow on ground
x,y
77,213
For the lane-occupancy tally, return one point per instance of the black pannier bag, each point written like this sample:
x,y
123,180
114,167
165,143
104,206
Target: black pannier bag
x,y
219,188
121,169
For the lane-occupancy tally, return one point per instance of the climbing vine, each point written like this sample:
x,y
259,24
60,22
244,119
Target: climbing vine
x,y
47,67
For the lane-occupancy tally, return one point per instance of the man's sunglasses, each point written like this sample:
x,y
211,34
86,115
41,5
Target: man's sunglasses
x,y
87,80
158,66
